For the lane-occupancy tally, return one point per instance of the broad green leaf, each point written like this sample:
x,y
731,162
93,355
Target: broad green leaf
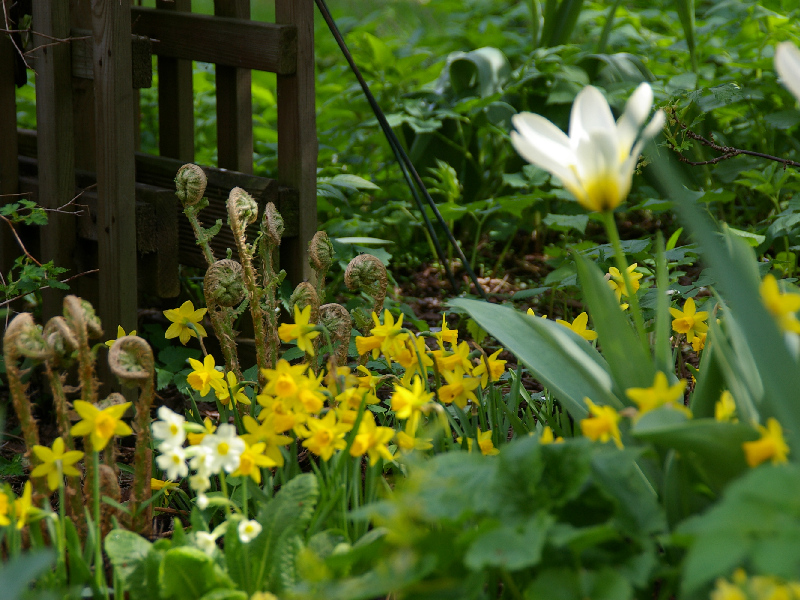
x,y
566,222
510,547
126,550
225,595
564,362
483,71
715,448
630,366
19,572
188,573
681,494
757,524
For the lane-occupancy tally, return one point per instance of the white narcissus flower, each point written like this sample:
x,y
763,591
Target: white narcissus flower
x,y
173,461
225,449
787,64
169,428
205,541
249,530
596,161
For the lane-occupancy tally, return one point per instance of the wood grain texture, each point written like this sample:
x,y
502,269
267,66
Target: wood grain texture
x,y
297,135
116,215
56,151
234,102
9,167
223,41
175,99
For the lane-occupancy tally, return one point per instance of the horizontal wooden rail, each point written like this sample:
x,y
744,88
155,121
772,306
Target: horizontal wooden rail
x,y
219,40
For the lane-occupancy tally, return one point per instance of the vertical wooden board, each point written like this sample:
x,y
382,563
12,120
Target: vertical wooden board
x,y
116,224
175,99
234,103
56,157
297,135
9,167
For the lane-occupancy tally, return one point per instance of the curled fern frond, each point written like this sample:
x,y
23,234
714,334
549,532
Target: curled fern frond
x,y
190,184
224,283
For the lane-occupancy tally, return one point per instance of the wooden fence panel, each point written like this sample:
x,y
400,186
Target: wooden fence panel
x,y
175,99
56,149
116,211
297,134
9,169
234,103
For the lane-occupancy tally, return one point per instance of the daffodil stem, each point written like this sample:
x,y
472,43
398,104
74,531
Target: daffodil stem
x,y
62,534
99,571
224,487
622,265
244,495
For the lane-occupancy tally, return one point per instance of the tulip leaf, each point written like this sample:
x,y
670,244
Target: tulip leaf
x,y
715,448
564,362
629,364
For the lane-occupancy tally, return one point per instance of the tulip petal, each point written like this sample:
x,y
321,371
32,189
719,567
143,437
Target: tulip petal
x,y
590,112
787,63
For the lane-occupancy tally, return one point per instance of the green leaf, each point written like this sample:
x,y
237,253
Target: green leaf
x,y
715,448
19,572
126,550
564,362
510,547
363,240
225,595
566,222
188,573
686,15
629,364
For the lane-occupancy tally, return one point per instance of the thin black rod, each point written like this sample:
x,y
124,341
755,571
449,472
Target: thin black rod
x,y
395,143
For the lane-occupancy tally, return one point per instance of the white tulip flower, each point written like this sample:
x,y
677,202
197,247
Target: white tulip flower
x,y
596,161
787,64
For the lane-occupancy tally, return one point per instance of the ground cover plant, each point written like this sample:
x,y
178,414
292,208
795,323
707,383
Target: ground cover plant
x,y
624,427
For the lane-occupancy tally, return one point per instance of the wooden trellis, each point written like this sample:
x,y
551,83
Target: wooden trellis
x,y
90,57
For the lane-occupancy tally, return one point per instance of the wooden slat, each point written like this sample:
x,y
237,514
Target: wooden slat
x,y
234,103
82,46
9,168
297,135
116,216
175,99
223,41
55,130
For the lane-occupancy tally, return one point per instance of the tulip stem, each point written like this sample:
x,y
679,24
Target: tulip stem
x,y
622,265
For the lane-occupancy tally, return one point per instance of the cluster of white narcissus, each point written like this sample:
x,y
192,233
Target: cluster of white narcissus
x,y
216,452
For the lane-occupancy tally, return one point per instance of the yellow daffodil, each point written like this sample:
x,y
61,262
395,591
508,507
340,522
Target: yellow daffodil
x,y
725,590
450,361
120,333
55,463
725,408
459,389
100,425
159,484
579,327
689,321
204,375
782,306
5,508
266,432
533,314
407,403
326,436
300,330
787,64
23,506
495,370
485,443
596,162
196,438
252,461
229,387
699,342
387,337
446,334
603,424
547,437
372,439
284,380
617,283
659,394
408,443
771,445
183,319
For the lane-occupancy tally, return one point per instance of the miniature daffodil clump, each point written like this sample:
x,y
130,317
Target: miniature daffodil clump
x,y
688,321
661,393
300,330
100,425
